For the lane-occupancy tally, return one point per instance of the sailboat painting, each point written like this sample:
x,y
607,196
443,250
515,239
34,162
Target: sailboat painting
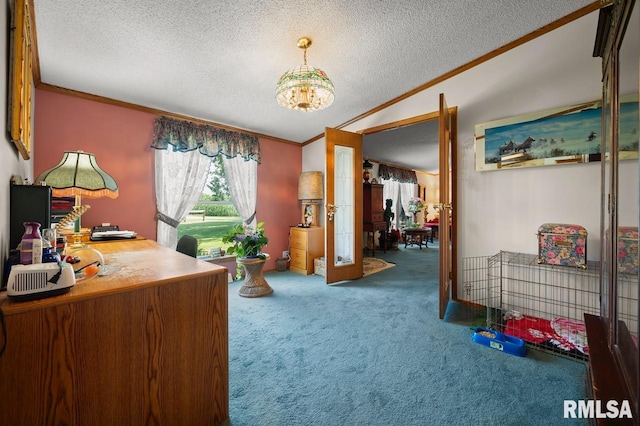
x,y
560,136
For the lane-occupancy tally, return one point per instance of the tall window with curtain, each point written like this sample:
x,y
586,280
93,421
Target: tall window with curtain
x,y
182,170
391,191
399,185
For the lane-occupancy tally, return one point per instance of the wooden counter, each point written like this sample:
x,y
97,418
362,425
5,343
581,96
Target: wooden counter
x,y
147,344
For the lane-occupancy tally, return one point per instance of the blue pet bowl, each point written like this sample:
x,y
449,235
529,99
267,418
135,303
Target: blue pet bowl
x,y
499,341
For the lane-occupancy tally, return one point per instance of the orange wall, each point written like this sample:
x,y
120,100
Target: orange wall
x,y
120,138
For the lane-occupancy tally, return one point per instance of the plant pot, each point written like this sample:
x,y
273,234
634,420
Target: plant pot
x,y
254,284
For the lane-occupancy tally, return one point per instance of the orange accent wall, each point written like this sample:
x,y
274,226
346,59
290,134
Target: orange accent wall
x,y
120,138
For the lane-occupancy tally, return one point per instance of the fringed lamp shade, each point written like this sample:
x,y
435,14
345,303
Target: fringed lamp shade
x,y
310,186
78,174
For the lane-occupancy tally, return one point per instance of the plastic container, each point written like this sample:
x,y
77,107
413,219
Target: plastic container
x,y
281,264
49,255
499,341
31,244
61,245
88,263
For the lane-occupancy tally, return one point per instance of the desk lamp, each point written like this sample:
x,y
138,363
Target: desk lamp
x,y
78,174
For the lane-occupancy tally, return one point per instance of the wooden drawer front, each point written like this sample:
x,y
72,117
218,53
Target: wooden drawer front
x,y
299,258
298,240
377,217
376,199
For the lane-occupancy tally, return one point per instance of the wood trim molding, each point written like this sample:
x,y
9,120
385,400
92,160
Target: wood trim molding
x,y
400,123
497,52
105,100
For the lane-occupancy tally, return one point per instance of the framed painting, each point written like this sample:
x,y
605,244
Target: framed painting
x,y
558,136
21,78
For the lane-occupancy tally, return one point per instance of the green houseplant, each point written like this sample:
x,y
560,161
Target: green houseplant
x,y
247,242
247,246
415,204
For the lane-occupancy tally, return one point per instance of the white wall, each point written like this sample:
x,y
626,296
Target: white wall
x,y
11,162
313,159
501,210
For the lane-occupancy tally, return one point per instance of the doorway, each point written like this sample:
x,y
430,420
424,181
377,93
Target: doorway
x,y
415,144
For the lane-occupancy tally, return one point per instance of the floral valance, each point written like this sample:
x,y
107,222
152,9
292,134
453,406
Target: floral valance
x,y
397,174
209,140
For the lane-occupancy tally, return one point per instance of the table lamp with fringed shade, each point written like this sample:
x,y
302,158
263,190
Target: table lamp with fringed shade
x,y
310,189
78,175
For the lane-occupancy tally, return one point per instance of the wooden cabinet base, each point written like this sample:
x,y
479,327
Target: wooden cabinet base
x,y
150,348
306,244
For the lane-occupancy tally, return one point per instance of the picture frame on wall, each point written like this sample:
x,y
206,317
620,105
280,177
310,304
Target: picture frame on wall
x,y
21,80
309,214
567,135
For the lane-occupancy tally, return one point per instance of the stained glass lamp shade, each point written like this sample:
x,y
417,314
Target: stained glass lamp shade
x,y
304,87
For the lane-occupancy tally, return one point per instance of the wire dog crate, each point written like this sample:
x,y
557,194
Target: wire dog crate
x,y
542,304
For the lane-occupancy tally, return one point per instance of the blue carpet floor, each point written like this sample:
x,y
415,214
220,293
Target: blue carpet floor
x,y
373,352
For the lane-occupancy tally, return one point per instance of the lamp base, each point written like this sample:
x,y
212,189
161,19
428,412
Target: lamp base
x,y
309,214
77,241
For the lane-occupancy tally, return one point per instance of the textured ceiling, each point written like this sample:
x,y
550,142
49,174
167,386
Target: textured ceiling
x,y
220,60
414,147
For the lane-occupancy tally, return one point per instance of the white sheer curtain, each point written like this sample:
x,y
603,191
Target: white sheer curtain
x,y
242,177
180,178
407,190
391,190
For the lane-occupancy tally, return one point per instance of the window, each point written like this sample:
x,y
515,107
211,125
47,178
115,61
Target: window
x,y
214,213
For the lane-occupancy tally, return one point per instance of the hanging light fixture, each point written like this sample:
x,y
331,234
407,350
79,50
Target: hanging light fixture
x,y
304,87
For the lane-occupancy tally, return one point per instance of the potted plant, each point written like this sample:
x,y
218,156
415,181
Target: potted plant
x,y
415,205
247,246
394,238
247,242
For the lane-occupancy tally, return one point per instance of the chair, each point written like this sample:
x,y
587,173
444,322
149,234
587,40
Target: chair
x,y
188,245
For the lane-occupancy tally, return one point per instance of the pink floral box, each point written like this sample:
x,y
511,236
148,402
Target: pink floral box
x,y
562,244
628,250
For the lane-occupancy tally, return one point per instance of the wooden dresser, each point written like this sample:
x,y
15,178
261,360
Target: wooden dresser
x,y
147,344
306,245
373,213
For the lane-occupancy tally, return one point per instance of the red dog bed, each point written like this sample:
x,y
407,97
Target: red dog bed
x,y
559,334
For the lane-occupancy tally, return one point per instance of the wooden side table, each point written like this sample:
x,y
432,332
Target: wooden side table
x,y
416,235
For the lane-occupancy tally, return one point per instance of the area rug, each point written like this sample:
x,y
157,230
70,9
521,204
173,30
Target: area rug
x,y
371,265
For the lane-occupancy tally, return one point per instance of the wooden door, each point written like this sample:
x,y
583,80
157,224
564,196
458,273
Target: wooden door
x,y
447,232
343,254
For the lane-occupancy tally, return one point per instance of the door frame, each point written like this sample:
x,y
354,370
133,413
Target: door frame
x,y
448,208
435,115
